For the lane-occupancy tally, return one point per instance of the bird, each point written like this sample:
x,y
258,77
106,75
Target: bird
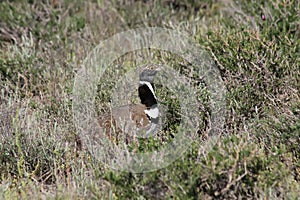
x,y
122,122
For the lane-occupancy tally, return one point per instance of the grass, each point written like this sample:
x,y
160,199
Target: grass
x,y
43,45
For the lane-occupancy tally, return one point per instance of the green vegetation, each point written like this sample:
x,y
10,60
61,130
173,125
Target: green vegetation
x,y
256,47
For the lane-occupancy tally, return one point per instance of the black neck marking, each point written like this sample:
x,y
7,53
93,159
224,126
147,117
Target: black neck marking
x,y
146,95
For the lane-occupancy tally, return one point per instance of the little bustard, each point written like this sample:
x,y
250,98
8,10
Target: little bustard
x,y
143,117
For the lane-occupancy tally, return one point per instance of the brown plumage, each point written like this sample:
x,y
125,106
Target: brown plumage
x,y
126,119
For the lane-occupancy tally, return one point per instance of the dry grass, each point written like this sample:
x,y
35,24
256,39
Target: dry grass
x,y
42,46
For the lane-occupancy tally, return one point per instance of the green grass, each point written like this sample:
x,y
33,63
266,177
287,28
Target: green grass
x,y
42,47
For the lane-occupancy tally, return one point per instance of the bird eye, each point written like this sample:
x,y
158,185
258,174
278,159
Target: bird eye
x,y
152,67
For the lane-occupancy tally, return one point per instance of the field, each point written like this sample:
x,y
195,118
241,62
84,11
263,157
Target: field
x,y
255,45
